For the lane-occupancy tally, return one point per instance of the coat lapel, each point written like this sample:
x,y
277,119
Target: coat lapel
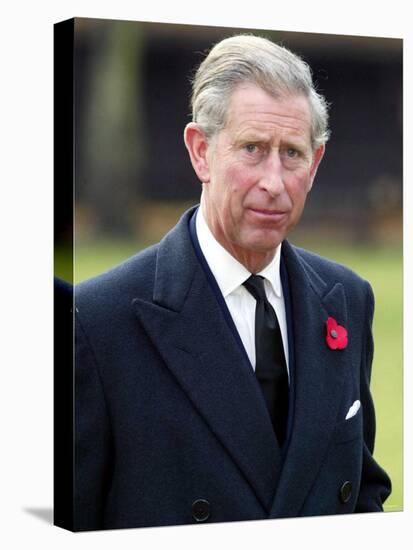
x,y
187,326
319,375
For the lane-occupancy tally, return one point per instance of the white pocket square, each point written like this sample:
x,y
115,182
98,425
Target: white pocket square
x,y
353,409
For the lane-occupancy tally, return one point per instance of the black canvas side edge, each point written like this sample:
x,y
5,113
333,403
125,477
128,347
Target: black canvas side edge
x,y
63,385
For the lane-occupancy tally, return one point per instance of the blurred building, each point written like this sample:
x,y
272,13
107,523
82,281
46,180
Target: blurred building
x,y
132,88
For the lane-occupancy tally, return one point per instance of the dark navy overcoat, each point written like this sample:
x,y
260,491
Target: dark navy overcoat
x,y
171,427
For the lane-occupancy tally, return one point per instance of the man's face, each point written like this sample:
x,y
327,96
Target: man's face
x,y
260,168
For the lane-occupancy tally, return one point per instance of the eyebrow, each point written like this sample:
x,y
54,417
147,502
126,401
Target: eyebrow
x,y
251,136
296,142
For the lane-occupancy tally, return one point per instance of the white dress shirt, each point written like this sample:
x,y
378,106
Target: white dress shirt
x,y
230,275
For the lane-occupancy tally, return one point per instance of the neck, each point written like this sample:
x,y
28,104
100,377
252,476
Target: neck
x,y
254,261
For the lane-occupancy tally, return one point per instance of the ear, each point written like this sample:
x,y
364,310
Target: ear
x,y
317,156
197,144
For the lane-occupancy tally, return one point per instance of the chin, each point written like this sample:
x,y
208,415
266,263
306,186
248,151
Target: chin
x,y
266,240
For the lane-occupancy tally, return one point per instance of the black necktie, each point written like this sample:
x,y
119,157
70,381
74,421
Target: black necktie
x,y
270,365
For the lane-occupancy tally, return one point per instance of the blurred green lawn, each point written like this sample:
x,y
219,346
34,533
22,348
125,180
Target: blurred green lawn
x,y
380,265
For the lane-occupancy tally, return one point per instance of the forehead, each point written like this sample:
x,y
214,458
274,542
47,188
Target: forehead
x,y
252,109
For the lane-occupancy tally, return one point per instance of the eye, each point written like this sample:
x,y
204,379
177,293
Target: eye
x,y
292,153
251,148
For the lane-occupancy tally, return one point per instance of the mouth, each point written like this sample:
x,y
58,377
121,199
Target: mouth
x,y
265,214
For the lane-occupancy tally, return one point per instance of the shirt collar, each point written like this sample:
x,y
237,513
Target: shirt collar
x,y
229,273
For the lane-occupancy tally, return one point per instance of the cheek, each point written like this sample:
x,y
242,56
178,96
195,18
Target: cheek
x,y
298,188
233,192
239,181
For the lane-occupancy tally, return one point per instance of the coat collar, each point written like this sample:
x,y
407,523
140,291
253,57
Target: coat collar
x,y
186,324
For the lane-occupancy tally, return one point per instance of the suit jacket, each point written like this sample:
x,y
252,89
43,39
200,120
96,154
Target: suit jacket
x,y
171,426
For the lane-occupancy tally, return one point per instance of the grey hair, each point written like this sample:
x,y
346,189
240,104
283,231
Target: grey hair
x,y
248,58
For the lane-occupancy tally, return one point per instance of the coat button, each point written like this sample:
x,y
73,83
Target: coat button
x,y
345,492
200,510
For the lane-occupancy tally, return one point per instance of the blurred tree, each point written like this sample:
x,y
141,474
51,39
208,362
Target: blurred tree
x,y
108,129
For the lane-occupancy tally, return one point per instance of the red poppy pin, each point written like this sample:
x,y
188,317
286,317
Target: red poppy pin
x,y
336,336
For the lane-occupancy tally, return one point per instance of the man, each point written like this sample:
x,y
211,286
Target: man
x,y
223,374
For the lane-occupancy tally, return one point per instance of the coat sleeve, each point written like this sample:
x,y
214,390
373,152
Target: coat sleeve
x,y
93,450
375,484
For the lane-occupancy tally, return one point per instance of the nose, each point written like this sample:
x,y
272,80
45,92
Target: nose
x,y
272,175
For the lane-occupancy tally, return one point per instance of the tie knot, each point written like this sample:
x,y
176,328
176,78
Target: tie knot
x,y
255,286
